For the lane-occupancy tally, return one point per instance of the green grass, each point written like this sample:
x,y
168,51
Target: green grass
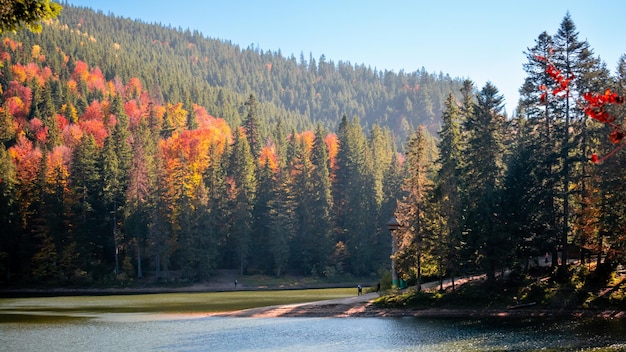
x,y
166,302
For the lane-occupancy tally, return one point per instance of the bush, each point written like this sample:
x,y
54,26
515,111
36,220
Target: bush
x,y
385,279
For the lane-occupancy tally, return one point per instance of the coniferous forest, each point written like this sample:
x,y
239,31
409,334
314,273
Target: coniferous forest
x,y
133,150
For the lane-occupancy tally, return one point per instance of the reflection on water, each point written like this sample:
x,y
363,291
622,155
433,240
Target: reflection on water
x,y
150,332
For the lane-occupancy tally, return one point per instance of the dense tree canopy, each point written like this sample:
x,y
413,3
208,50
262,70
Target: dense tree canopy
x,y
131,150
18,14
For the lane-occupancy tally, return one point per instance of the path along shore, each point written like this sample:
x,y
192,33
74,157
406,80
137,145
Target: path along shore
x,y
363,306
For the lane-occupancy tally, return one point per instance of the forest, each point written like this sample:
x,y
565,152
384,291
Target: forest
x,y
133,150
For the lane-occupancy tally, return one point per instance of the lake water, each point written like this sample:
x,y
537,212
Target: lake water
x,y
178,332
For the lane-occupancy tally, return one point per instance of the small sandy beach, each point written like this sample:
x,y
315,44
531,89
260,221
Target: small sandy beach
x,y
363,306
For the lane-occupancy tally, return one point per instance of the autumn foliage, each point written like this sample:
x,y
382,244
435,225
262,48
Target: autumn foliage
x,y
594,105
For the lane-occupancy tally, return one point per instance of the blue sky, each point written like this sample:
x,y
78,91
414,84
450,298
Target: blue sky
x,y
480,40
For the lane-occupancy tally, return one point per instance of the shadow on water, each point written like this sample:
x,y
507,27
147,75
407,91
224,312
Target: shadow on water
x,y
40,318
171,332
524,334
394,334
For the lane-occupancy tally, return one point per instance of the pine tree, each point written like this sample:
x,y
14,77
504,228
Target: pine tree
x,y
45,258
303,244
219,211
8,210
116,164
448,182
262,218
110,173
282,227
86,173
320,199
412,210
353,198
241,171
251,126
574,60
484,170
534,166
140,197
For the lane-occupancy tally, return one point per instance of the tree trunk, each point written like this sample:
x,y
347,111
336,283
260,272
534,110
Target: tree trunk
x,y
139,270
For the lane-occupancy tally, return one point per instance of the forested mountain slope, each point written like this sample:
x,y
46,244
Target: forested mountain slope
x,y
183,65
130,150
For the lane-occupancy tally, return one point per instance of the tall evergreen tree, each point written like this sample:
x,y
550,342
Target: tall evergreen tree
x,y
116,164
412,209
303,244
111,192
353,196
251,126
321,199
140,194
282,227
384,154
484,169
219,210
448,181
86,172
537,154
242,174
8,221
262,215
573,58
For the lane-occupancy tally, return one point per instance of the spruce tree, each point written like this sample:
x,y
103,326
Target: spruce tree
x,y
537,154
86,181
484,170
303,243
282,228
412,210
353,198
242,171
8,221
448,181
321,199
251,126
262,215
573,58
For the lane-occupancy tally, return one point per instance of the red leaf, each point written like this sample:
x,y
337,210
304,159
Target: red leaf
x,y
594,158
616,137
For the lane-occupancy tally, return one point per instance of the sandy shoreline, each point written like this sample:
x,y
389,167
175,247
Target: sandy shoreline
x,y
363,306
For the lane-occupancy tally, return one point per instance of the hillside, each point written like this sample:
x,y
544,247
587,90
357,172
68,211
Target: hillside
x,y
178,65
122,159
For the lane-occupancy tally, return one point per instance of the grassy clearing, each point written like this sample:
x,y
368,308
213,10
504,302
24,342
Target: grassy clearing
x,y
168,302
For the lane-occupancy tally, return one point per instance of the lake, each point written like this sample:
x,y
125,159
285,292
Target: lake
x,y
61,327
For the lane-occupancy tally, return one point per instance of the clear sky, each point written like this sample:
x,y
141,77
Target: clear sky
x,y
480,40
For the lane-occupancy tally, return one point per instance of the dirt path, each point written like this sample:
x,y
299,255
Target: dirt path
x,y
357,306
363,306
342,307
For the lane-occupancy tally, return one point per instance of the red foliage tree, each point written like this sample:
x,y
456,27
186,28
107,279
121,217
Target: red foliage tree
x,y
72,134
268,156
134,113
595,105
332,143
26,158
